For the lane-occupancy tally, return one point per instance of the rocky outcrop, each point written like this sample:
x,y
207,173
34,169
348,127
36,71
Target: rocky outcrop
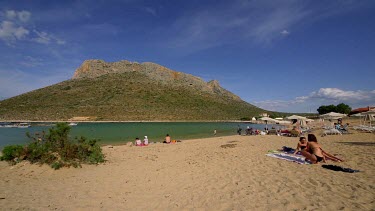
x,y
96,68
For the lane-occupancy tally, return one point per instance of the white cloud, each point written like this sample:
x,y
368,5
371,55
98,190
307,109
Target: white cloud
x,y
324,96
45,38
285,32
11,14
22,16
14,28
42,37
338,94
9,32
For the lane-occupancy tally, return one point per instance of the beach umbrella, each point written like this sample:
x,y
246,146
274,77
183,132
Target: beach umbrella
x,y
299,119
358,115
296,117
332,115
267,119
369,115
285,122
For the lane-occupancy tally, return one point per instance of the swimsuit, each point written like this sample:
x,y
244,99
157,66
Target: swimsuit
x,y
303,147
318,158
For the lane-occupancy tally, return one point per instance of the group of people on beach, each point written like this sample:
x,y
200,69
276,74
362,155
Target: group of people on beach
x,y
145,142
313,151
138,142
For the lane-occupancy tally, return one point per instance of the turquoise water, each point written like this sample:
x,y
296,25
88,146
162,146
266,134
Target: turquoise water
x,y
120,133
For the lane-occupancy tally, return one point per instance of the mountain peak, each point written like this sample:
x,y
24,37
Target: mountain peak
x,y
156,72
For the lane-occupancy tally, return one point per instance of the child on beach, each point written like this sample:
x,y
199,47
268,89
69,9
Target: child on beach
x,y
167,139
301,146
145,141
138,142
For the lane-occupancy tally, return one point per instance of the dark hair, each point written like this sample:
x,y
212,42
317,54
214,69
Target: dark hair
x,y
301,138
311,138
167,134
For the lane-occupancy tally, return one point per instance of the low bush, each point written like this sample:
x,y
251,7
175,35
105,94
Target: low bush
x,y
10,153
56,149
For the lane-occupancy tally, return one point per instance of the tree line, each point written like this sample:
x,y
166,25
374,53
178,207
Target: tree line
x,y
340,108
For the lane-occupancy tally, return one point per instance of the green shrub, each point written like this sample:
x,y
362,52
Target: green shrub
x,y
96,155
56,149
11,152
56,165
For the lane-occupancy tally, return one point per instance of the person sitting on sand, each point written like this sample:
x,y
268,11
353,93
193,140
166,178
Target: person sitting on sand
x,y
295,131
167,139
302,145
145,141
138,142
314,151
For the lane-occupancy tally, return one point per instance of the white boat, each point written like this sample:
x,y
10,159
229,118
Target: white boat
x,y
23,125
73,124
17,125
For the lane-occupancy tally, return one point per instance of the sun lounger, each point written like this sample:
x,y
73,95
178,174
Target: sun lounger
x,y
305,130
364,128
332,132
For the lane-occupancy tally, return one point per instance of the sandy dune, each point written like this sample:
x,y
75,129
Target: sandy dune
x,y
200,175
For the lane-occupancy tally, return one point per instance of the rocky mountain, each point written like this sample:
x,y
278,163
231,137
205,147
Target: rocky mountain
x,y
128,91
155,72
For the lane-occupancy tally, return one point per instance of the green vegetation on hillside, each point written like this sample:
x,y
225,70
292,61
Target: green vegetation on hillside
x,y
124,96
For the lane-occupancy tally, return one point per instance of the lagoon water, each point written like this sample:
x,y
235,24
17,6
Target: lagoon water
x,y
120,133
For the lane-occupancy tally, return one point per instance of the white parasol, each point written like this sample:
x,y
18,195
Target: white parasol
x,y
296,117
267,119
332,115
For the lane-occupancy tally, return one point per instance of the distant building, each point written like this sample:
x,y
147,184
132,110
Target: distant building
x,y
263,115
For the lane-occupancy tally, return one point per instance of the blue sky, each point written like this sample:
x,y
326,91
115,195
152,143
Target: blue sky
x,y
283,55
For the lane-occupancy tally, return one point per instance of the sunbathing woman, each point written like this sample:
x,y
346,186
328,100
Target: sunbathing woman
x,y
318,153
314,151
301,146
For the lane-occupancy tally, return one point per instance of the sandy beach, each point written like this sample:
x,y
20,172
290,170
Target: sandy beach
x,y
219,173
